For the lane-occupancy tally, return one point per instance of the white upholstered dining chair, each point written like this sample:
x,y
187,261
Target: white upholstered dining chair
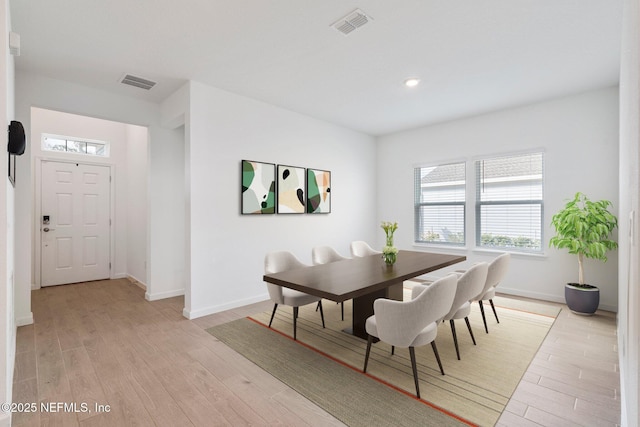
x,y
497,270
470,284
276,262
325,255
412,323
361,248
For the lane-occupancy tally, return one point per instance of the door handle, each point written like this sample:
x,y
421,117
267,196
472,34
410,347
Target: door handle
x,y
47,229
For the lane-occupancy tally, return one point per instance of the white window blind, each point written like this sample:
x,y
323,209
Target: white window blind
x,y
440,204
509,202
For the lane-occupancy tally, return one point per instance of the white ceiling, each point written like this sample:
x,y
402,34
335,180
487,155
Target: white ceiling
x,y
472,56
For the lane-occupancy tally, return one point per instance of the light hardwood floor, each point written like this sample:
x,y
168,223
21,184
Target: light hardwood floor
x,y
574,379
102,343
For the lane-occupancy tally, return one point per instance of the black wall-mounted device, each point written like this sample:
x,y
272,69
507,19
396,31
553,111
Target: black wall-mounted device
x,y
17,141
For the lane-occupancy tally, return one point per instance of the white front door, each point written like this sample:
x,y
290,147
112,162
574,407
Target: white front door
x,y
74,223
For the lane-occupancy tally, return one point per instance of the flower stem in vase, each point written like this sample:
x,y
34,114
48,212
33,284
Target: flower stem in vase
x,y
389,252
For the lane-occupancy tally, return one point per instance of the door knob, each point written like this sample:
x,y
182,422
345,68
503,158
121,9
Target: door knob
x,y
47,229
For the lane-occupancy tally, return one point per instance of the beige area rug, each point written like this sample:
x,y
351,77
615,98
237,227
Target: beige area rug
x,y
325,365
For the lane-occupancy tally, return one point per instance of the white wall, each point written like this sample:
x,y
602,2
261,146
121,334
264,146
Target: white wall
x,y
33,90
137,157
579,136
128,154
226,248
167,218
7,317
168,202
629,254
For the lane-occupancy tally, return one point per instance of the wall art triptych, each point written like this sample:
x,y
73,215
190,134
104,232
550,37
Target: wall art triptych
x,y
282,189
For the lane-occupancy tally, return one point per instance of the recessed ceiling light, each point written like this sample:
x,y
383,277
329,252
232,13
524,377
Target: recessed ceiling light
x,y
412,82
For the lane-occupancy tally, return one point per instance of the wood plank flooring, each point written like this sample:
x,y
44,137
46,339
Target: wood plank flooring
x,y
574,379
102,343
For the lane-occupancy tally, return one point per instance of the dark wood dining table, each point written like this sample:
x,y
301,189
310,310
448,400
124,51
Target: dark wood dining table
x,y
362,279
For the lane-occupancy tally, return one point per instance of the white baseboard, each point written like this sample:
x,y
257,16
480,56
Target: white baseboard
x,y
25,320
5,419
607,307
137,282
163,295
194,314
34,287
136,279
547,297
529,294
119,276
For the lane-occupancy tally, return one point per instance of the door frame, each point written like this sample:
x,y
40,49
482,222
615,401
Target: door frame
x,y
37,223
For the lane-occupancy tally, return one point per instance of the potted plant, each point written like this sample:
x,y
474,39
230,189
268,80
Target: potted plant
x,y
584,228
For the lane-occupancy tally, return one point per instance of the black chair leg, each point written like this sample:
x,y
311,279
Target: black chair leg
x,y
318,306
466,319
412,353
321,313
295,318
273,314
366,357
494,310
342,310
455,338
393,349
435,351
484,319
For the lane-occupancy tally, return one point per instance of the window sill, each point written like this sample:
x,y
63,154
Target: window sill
x,y
441,248
464,249
516,254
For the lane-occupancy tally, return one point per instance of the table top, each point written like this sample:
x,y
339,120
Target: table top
x,y
351,278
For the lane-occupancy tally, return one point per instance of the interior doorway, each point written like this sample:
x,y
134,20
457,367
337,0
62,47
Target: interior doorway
x,y
99,153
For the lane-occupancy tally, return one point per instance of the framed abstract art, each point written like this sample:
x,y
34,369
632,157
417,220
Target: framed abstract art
x,y
291,189
258,188
318,191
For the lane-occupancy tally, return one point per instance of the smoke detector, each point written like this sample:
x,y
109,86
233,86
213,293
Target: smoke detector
x,y
128,79
351,22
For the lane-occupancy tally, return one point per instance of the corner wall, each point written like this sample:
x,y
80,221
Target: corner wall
x,y
579,135
167,204
137,164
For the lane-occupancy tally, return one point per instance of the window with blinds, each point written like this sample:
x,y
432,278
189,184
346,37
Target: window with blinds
x,y
509,202
440,204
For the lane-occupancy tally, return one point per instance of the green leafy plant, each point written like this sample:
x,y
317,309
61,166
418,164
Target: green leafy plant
x,y
584,228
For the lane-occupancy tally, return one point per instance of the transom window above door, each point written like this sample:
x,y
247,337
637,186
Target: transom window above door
x,y
71,145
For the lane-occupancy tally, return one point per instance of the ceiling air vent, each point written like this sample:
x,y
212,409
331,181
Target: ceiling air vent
x,y
352,21
128,79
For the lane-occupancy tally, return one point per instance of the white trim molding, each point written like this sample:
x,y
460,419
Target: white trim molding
x,y
218,308
25,320
163,295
